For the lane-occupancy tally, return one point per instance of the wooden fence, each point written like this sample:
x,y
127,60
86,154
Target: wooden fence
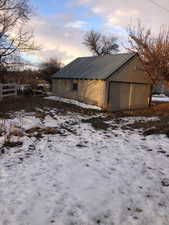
x,y
7,90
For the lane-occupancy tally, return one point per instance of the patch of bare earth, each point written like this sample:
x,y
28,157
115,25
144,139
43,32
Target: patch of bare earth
x,y
97,122
29,104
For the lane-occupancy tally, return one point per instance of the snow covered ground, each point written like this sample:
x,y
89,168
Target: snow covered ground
x,y
82,176
72,101
160,98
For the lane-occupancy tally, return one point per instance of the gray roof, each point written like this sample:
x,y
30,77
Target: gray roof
x,y
95,67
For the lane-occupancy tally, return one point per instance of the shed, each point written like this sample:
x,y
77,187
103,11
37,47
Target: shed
x,y
113,82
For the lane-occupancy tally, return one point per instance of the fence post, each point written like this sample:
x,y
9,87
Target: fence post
x,y
1,92
15,90
8,90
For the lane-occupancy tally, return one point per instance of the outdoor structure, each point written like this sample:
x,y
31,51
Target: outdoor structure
x,y
113,82
7,90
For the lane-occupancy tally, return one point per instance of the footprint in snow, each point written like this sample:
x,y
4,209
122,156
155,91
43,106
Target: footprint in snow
x,y
165,182
161,151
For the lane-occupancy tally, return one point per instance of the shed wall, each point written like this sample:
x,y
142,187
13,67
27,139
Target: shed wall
x,y
132,72
89,91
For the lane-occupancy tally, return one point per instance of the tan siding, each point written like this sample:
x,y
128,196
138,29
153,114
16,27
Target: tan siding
x,y
128,96
119,96
89,91
131,72
140,96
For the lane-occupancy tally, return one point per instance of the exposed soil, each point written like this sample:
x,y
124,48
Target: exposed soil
x,y
29,104
156,109
151,127
11,144
97,122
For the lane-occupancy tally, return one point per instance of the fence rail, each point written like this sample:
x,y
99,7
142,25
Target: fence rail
x,y
7,90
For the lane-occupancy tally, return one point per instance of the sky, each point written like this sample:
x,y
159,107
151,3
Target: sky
x,y
60,25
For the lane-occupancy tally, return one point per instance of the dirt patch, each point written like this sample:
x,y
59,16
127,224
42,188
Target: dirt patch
x,y
50,107
40,115
156,109
17,133
30,104
151,127
97,122
11,144
51,130
33,130
39,132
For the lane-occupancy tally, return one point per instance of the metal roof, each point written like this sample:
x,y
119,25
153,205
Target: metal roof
x,y
95,67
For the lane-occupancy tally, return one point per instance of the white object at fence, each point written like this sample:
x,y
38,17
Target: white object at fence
x,y
7,90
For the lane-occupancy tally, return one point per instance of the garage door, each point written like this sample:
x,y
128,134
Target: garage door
x,y
128,96
119,95
140,95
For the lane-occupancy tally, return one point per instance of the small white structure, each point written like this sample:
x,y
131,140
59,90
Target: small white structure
x,y
8,90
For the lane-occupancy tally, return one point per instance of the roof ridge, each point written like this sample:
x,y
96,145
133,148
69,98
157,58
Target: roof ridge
x,y
94,67
116,54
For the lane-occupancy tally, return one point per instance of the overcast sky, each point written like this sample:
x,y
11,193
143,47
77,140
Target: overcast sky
x,y
60,25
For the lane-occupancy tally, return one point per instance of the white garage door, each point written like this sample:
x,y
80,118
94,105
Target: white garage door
x,y
119,94
140,96
128,96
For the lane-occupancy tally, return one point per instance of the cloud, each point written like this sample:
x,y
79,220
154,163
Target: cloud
x,y
59,36
117,16
122,13
76,24
62,35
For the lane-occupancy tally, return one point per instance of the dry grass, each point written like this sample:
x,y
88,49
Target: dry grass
x,y
39,131
156,109
17,133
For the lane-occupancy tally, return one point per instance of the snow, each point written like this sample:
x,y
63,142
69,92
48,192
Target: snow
x,y
84,176
160,98
133,119
74,102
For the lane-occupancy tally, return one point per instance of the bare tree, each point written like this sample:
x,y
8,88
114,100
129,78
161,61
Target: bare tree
x,y
47,69
14,38
24,77
100,44
152,49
